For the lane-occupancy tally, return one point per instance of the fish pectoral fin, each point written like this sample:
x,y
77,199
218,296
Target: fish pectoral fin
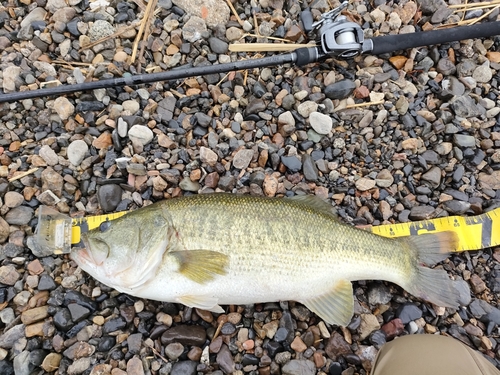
x,y
201,266
203,302
336,306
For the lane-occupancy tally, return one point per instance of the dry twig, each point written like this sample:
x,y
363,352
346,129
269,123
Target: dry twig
x,y
114,35
365,104
22,174
230,4
145,22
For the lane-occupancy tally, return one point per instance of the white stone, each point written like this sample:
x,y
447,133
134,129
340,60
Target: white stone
x,y
286,118
49,155
208,156
64,47
13,199
377,16
482,74
131,105
242,158
46,68
193,29
54,5
76,152
10,74
490,113
322,124
306,108
394,21
141,133
63,107
247,26
37,14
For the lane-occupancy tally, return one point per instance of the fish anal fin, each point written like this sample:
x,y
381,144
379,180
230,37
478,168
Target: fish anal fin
x,y
201,266
203,302
315,203
335,306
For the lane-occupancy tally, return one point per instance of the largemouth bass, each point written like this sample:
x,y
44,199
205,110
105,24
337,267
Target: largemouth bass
x,y
209,250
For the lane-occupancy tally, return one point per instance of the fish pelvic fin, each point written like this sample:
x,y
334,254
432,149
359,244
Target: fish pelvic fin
x,y
204,302
433,285
336,306
432,248
201,266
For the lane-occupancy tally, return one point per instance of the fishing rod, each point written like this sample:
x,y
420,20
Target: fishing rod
x,y
335,37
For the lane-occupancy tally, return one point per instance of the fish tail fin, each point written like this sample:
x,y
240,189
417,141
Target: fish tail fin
x,y
433,285
433,248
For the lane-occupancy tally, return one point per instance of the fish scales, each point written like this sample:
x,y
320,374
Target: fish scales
x,y
257,235
215,249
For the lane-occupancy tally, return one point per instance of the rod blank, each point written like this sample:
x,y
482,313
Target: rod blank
x,y
302,56
391,43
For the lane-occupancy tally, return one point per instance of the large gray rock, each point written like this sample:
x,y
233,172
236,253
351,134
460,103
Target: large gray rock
x,y
299,367
213,12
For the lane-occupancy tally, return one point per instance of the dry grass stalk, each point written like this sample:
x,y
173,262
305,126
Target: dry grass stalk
x,y
468,6
145,38
140,4
52,83
153,69
484,15
463,8
20,175
114,35
177,93
230,4
223,79
155,352
70,64
365,104
145,22
267,37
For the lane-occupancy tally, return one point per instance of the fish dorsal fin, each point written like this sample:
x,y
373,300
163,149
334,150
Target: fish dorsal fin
x,y
336,306
315,203
201,266
204,302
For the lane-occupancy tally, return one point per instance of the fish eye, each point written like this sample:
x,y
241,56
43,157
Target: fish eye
x,y
104,226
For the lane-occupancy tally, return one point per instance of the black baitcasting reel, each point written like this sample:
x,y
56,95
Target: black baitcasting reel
x,y
335,36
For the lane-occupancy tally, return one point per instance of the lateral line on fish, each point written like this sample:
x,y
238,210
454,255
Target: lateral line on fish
x,y
474,232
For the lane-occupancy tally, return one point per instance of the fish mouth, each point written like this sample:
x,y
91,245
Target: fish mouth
x,y
82,254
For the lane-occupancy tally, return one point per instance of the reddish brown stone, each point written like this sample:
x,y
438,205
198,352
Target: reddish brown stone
x,y
361,92
398,61
103,141
337,346
392,329
293,33
212,180
35,267
478,285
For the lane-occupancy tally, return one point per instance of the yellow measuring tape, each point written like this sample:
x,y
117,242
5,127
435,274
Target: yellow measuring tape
x,y
84,224
474,232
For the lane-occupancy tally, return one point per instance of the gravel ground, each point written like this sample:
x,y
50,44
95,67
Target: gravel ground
x,y
431,149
